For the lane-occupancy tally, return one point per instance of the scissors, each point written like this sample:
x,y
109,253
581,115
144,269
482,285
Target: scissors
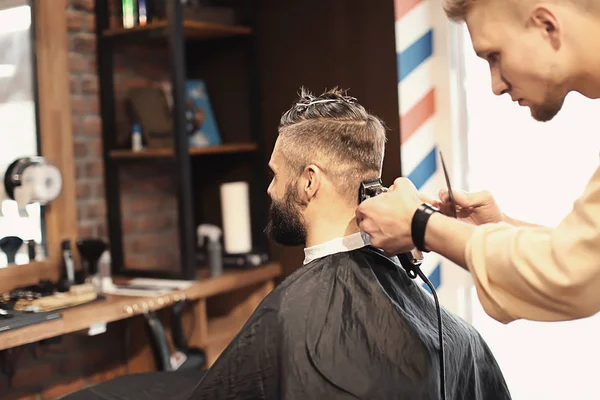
x,y
452,201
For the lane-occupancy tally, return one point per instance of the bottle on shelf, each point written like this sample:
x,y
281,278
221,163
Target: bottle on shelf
x,y
214,250
142,13
136,138
129,13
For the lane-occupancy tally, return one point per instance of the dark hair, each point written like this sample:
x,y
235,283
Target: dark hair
x,y
335,132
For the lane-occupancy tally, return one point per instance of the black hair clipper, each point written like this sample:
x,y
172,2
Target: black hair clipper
x,y
410,261
370,189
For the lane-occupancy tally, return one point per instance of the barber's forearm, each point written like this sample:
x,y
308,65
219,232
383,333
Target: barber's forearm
x,y
448,237
517,222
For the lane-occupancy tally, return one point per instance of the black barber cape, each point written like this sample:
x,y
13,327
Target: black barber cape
x,y
351,325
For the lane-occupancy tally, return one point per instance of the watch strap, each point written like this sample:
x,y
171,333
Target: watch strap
x,y
419,224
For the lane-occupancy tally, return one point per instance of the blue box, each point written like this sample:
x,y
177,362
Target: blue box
x,y
206,131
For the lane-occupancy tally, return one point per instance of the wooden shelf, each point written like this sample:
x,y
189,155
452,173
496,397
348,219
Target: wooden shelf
x,y
191,29
116,308
123,154
223,329
231,280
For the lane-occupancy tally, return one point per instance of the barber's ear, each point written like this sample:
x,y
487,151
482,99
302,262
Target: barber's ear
x,y
546,20
312,181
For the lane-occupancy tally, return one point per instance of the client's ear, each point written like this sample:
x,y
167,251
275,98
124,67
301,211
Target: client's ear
x,y
312,181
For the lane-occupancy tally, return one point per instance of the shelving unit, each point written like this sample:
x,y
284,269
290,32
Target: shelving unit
x,y
196,171
211,333
125,154
191,30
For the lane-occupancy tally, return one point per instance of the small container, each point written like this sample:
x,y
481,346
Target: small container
x,y
103,278
129,13
214,249
143,12
215,258
136,138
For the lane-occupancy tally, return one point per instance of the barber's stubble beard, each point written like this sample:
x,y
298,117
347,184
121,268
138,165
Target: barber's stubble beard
x,y
286,225
550,108
545,112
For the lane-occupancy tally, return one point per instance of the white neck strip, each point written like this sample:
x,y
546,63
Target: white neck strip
x,y
337,245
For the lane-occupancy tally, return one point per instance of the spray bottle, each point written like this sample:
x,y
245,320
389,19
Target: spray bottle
x,y
213,247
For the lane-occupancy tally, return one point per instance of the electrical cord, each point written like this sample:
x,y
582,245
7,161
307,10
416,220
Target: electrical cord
x,y
440,334
413,270
126,344
411,266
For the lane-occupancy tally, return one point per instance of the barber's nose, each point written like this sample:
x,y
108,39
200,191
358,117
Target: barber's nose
x,y
499,85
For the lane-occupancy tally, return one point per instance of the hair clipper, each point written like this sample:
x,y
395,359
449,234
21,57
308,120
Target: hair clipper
x,y
370,189
410,261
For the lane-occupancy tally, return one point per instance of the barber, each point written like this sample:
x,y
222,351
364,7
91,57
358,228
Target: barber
x,y
537,53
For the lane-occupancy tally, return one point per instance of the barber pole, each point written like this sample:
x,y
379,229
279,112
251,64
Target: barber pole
x,y
416,93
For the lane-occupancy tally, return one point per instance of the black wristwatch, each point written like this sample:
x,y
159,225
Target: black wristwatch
x,y
419,223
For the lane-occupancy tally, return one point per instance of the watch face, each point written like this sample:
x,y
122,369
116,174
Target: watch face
x,y
428,208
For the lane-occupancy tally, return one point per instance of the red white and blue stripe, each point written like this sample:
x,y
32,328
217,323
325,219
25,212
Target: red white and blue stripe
x,y
416,93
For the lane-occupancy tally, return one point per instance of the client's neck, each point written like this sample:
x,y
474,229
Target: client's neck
x,y
329,224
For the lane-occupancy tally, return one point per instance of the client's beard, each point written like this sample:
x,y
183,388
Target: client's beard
x,y
286,225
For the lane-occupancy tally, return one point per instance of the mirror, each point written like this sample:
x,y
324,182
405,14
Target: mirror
x,y
19,136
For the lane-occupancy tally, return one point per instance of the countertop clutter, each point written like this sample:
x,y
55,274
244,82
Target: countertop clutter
x,y
77,295
216,325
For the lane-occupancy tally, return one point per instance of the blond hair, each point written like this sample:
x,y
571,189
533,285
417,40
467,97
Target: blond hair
x,y
457,10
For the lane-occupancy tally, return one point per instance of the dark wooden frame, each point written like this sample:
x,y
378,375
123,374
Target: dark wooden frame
x,y
56,139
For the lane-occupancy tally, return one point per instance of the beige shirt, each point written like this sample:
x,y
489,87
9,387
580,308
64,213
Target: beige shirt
x,y
540,274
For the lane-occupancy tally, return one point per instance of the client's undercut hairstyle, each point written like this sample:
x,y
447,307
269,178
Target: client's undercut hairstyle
x,y
336,133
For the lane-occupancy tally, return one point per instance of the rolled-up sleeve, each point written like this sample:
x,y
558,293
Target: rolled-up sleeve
x,y
540,274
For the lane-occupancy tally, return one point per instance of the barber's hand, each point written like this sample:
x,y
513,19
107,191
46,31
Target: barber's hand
x,y
387,217
475,208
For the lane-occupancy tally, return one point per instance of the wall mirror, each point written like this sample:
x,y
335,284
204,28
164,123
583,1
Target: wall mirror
x,y
19,133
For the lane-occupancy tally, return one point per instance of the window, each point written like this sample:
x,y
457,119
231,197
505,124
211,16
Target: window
x,y
536,171
17,117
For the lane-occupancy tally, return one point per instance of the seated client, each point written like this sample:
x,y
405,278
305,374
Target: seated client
x,y
349,323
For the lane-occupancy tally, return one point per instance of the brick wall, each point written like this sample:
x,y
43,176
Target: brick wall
x,y
87,142
149,204
149,217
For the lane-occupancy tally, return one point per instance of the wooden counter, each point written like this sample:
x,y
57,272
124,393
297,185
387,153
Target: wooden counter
x,y
240,292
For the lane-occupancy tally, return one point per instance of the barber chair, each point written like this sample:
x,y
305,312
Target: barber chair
x,y
194,358
170,383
